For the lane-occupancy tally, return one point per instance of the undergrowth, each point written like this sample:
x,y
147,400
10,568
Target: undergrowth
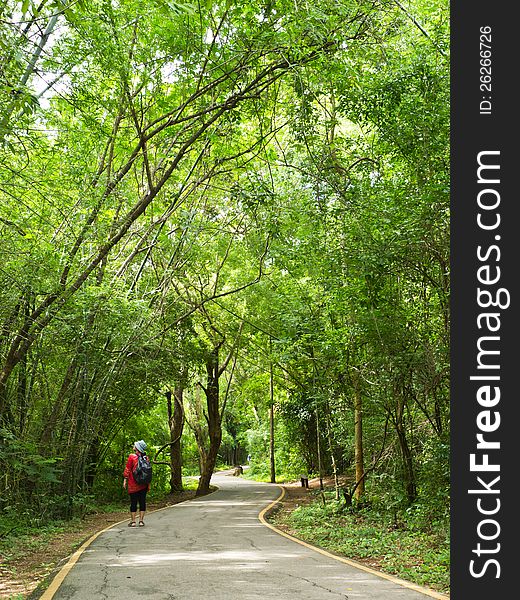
x,y
405,547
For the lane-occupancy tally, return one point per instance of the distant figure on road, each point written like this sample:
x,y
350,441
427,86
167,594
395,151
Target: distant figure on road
x,y
136,491
249,458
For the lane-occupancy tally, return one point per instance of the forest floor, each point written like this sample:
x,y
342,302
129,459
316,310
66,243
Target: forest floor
x,y
295,496
396,549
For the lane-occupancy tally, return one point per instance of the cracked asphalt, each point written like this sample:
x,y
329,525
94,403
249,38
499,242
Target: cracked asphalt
x,y
215,547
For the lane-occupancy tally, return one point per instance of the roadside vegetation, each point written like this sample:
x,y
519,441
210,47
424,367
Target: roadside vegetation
x,y
381,532
409,546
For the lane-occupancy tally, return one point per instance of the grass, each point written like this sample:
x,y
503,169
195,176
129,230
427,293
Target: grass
x,y
28,535
418,556
24,550
263,475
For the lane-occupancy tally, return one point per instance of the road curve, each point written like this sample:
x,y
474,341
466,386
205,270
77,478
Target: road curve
x,y
216,547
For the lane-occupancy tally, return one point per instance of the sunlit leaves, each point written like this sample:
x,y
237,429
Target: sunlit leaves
x,y
196,170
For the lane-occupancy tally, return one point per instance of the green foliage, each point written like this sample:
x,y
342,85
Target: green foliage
x,y
26,470
434,481
405,550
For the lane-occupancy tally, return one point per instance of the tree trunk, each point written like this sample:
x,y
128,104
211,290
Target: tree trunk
x,y
176,424
271,425
358,441
51,421
318,450
408,468
22,395
332,457
209,458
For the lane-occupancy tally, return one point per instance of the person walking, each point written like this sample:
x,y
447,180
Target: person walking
x,y
136,491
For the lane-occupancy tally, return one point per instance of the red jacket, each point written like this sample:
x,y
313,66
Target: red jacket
x,y
133,486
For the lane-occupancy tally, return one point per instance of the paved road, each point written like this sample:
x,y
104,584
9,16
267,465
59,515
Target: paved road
x,y
216,548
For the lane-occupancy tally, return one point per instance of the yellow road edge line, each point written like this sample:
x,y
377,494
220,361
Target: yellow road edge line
x,y
64,571
48,594
347,561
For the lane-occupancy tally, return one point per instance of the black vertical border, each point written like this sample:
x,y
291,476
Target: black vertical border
x,y
472,132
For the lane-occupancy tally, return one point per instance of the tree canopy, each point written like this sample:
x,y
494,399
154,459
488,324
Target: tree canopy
x,y
243,204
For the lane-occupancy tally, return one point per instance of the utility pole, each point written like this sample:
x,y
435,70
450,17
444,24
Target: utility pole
x,y
271,415
318,448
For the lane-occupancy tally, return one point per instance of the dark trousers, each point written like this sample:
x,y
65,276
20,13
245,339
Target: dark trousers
x,y
138,497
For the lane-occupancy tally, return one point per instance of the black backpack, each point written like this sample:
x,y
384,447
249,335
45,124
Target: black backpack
x,y
143,470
